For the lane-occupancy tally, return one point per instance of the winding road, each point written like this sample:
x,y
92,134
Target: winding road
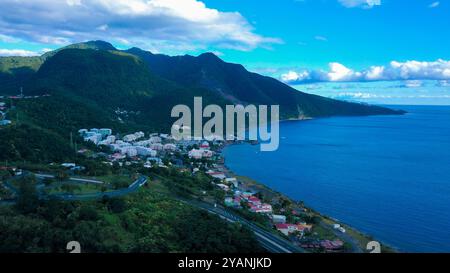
x,y
141,181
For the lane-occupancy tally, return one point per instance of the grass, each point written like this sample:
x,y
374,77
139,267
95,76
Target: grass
x,y
80,188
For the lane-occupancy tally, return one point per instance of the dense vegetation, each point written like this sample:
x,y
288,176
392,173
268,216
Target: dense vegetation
x,y
94,85
24,142
143,222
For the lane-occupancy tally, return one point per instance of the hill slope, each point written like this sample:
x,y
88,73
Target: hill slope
x,y
234,82
94,85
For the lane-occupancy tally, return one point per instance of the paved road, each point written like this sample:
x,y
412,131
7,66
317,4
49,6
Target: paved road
x,y
141,181
117,193
90,181
269,241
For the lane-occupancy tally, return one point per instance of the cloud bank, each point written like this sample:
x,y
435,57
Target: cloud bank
x,y
360,3
178,24
410,70
18,52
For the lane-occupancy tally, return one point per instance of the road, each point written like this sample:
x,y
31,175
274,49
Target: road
x,y
141,181
83,180
268,240
116,193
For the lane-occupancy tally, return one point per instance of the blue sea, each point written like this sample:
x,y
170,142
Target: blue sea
x,y
387,176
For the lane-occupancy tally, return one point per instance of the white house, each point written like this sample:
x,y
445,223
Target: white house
x,y
144,151
155,139
170,147
157,146
196,154
278,219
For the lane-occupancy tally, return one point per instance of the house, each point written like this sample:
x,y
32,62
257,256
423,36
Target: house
x,y
207,153
5,122
278,219
170,147
129,138
144,151
304,227
223,187
195,154
117,156
155,139
263,208
332,245
229,202
69,165
131,152
232,180
204,145
157,146
218,175
254,200
287,229
105,132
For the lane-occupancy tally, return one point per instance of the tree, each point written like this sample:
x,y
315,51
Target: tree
x,y
62,176
117,205
28,200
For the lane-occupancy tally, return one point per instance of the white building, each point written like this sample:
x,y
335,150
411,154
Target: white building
x,y
196,154
129,138
278,219
155,139
105,132
170,147
157,146
144,151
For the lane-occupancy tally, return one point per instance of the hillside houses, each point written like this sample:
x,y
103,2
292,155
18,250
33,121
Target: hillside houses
x,y
200,153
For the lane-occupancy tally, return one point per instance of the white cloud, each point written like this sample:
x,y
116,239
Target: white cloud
x,y
8,39
18,52
360,3
294,76
434,5
409,70
321,38
142,22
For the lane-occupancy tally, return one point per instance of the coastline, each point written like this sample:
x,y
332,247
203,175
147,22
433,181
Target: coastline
x,y
356,238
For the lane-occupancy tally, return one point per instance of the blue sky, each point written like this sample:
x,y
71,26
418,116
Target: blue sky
x,y
297,41
359,37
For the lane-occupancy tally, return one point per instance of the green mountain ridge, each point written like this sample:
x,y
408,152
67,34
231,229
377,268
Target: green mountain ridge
x,y
89,81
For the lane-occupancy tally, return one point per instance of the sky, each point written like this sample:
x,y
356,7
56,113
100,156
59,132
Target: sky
x,y
300,42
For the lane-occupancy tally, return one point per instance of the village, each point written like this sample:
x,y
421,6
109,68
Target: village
x,y
153,150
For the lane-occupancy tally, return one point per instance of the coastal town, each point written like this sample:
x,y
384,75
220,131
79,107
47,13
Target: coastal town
x,y
157,150
268,209
239,195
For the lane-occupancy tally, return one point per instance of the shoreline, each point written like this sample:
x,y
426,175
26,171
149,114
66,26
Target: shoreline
x,y
357,236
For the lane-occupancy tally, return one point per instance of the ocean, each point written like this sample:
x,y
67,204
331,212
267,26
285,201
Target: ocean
x,y
387,176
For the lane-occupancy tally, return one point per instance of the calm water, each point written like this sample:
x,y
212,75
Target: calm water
x,y
388,176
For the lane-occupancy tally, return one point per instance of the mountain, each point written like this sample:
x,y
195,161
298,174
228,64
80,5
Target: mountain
x,y
235,83
15,71
95,85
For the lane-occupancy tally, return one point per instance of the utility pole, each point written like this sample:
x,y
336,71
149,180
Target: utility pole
x,y
71,140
